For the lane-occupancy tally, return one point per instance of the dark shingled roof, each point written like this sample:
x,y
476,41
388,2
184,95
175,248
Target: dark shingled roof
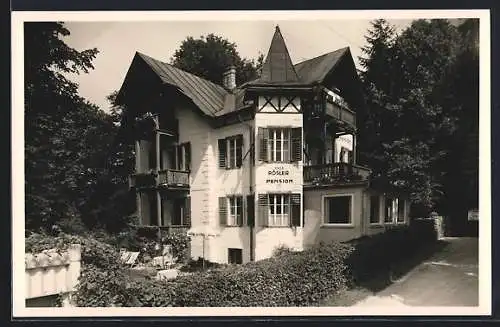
x,y
278,67
207,96
315,69
214,100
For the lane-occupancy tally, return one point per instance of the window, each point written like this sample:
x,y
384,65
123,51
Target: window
x,y
181,212
231,211
180,156
338,209
235,211
231,152
374,209
389,208
280,144
345,155
234,256
279,210
401,211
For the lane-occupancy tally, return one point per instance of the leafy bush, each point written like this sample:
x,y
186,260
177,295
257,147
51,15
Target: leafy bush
x,y
378,252
281,249
292,279
197,265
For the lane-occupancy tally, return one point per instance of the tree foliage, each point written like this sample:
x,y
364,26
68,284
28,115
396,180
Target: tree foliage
x,y
68,175
416,109
210,56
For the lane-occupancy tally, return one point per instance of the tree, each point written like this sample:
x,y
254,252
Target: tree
x,y
210,56
67,139
407,120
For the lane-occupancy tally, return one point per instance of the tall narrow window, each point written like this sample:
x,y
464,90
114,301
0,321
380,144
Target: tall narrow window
x,y
388,210
374,209
280,144
279,210
235,216
231,152
401,211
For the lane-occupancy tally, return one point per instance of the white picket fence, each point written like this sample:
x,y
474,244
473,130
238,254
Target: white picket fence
x,y
50,274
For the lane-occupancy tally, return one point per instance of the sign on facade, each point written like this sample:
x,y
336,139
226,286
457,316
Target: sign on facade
x,y
279,175
473,215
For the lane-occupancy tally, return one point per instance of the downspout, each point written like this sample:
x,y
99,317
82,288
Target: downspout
x,y
250,184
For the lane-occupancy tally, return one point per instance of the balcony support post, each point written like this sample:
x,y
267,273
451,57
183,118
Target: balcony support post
x,y
354,149
137,156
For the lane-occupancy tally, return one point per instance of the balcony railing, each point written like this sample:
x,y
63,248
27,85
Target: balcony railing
x,y
144,180
171,177
341,113
168,178
334,173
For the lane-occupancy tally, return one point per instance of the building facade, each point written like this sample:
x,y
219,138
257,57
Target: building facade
x,y
246,169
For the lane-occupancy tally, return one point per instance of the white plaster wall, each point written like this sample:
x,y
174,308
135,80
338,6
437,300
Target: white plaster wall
x,y
314,229
268,238
195,129
231,182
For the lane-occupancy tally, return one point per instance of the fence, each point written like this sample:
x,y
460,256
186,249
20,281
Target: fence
x,y
51,277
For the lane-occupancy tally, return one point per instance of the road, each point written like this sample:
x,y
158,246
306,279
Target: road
x,y
448,278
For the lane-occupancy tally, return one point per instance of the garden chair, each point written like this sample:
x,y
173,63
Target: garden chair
x,y
129,258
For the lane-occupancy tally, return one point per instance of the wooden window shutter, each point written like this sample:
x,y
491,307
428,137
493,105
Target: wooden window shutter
x,y
223,211
187,211
295,209
263,135
187,154
239,150
239,219
250,209
296,144
263,209
222,153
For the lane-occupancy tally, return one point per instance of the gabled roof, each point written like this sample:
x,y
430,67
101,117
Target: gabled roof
x,y
278,67
207,96
214,100
316,69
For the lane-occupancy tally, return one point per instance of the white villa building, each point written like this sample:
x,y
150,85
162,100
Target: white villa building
x,y
271,162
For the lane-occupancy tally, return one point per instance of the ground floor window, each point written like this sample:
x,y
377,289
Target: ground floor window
x,y
181,209
401,210
374,209
234,256
279,209
389,207
338,209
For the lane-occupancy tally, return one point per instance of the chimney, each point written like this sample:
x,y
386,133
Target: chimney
x,y
229,78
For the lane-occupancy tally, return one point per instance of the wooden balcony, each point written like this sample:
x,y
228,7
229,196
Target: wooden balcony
x,y
142,180
335,174
340,113
169,178
173,178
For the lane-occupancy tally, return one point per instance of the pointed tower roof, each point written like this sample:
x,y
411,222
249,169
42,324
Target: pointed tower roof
x,y
278,67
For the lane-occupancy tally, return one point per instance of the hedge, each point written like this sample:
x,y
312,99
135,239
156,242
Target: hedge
x,y
287,279
294,279
377,253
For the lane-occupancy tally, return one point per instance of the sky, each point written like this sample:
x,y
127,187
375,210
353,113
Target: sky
x,y
117,43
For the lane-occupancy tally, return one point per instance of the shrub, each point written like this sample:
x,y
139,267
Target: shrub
x,y
197,265
377,253
291,279
280,250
